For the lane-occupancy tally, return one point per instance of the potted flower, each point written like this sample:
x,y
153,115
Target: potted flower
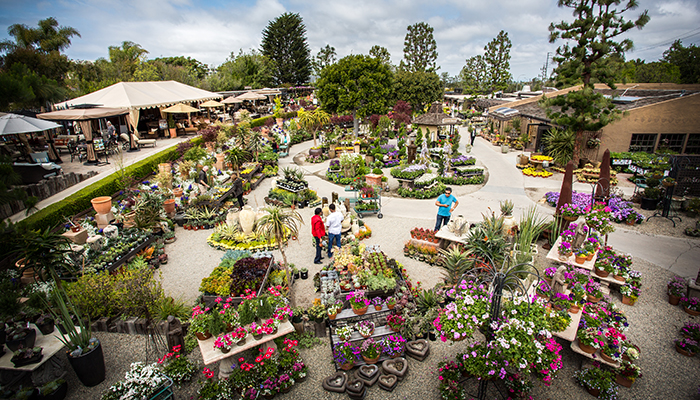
x,y
345,354
344,332
224,343
598,382
630,292
612,350
333,310
578,292
394,345
627,373
256,330
395,322
365,328
23,357
390,302
687,347
603,267
591,245
201,323
558,321
691,330
285,382
239,336
676,290
299,371
227,313
295,271
269,388
549,273
593,292
564,251
358,302
631,218
590,339
561,301
691,305
570,212
377,302
304,272
668,182
581,255
371,350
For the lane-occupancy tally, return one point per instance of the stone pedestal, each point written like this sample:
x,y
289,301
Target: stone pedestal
x,y
693,289
102,220
79,237
411,153
373,179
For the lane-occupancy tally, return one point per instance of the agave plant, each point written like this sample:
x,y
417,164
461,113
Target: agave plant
x,y
455,264
278,224
426,300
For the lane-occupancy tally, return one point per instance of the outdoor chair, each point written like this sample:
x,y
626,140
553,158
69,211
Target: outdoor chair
x,y
143,142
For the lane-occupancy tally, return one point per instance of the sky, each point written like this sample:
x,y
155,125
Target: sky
x,y
210,31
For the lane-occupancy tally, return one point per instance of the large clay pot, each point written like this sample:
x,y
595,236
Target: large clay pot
x,y
220,159
232,217
177,192
169,206
346,223
102,204
247,220
164,168
508,223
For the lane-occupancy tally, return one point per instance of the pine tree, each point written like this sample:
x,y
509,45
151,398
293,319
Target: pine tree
x,y
284,42
587,60
420,48
381,53
497,59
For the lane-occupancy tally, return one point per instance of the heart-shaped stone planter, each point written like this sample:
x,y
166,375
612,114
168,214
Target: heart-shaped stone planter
x,y
418,349
355,387
336,382
395,366
368,374
388,382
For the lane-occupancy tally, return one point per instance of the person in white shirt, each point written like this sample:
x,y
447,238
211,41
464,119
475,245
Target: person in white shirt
x,y
334,222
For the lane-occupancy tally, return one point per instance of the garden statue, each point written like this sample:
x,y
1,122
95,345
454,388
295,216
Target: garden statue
x,y
447,150
96,242
110,231
558,281
579,237
411,153
424,154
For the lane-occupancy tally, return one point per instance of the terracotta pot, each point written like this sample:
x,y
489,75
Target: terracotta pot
x,y
601,272
592,299
332,316
594,392
684,352
570,219
580,259
606,357
691,312
371,360
347,366
574,309
589,257
628,300
674,300
618,278
586,348
630,222
177,192
102,204
378,308
169,206
623,380
203,336
391,306
360,311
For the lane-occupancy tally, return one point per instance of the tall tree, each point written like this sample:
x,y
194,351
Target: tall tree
x,y
325,57
687,59
381,53
245,69
420,48
497,59
357,84
127,58
474,75
417,88
284,42
593,36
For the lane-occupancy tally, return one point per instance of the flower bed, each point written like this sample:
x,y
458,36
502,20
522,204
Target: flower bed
x,y
408,171
620,210
433,192
238,272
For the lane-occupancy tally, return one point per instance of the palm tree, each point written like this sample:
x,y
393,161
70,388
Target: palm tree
x,y
312,120
255,144
276,225
236,156
46,38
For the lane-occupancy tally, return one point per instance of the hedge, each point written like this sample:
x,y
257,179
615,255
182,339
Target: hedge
x,y
262,120
53,214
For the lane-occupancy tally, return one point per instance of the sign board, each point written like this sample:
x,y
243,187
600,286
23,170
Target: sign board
x,y
449,121
163,124
621,162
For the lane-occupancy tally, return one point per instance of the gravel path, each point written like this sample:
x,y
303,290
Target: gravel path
x,y
654,323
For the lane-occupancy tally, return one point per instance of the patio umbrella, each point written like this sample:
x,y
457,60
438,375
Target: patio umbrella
x,y
180,108
269,92
231,100
21,124
251,96
209,105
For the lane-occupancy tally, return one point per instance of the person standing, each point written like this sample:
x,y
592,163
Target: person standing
x,y
445,207
318,230
238,190
473,135
334,222
202,180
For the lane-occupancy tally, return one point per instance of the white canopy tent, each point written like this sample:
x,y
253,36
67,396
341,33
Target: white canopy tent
x,y
135,96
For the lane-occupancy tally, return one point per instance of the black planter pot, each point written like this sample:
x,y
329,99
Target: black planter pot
x,y
432,336
58,394
649,204
26,342
420,336
90,367
21,362
305,275
296,275
47,327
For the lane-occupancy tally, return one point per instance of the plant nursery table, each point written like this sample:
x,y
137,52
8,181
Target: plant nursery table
x,y
211,355
445,234
595,356
43,370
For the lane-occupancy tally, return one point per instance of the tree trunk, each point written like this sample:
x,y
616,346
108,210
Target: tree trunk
x,y
355,124
577,148
284,260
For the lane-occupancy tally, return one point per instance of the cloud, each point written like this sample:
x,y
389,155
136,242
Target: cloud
x,y
211,30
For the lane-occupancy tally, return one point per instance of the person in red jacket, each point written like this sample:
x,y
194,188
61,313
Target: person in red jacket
x,y
319,231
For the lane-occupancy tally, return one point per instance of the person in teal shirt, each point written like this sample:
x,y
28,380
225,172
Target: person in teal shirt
x,y
445,207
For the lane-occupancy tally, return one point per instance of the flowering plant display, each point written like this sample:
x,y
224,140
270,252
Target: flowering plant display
x,y
449,377
334,308
299,370
393,345
567,235
256,329
593,289
357,299
377,301
677,286
395,321
518,386
691,303
544,288
344,332
365,328
578,292
600,379
620,209
177,366
564,248
344,353
599,218
371,348
571,210
285,381
591,244
224,342
550,271
227,311
284,312
687,344
592,337
691,330
633,287
561,300
613,343
557,321
270,387
141,381
629,370
239,334
468,312
203,321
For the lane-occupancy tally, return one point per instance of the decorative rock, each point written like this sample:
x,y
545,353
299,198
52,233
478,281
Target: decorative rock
x,y
95,242
335,383
110,231
388,382
368,374
395,366
418,349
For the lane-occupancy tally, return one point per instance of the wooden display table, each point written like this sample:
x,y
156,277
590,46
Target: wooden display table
x,y
49,343
445,234
595,356
211,355
569,333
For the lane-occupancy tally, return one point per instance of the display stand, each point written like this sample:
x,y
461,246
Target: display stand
x,y
348,317
595,356
666,207
211,355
